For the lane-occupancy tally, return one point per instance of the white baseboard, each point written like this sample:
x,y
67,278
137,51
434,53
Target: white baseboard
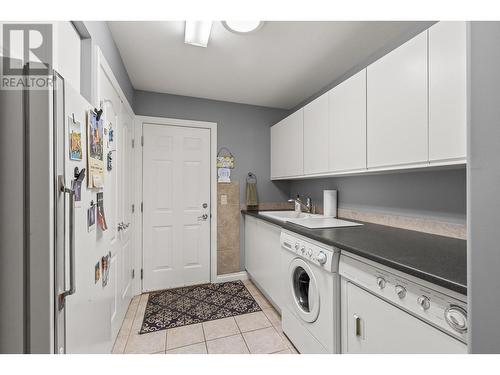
x,y
243,275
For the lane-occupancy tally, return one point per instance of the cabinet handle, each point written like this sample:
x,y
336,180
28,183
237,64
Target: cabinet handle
x,y
357,325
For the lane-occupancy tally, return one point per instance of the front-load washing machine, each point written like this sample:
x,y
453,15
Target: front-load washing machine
x,y
311,311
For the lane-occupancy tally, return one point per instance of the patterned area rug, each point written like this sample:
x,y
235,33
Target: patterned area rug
x,y
196,304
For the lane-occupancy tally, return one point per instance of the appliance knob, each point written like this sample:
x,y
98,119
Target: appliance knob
x,y
296,246
303,249
381,282
424,302
401,291
321,258
456,317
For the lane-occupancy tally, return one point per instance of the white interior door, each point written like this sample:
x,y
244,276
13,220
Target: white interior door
x,y
176,198
116,198
126,196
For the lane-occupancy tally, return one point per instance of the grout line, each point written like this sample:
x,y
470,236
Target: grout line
x,y
130,329
133,320
241,334
204,337
166,338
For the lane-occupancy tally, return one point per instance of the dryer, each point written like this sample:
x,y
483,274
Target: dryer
x,y
311,311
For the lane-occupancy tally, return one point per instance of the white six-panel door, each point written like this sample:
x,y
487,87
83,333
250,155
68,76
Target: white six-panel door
x,y
176,198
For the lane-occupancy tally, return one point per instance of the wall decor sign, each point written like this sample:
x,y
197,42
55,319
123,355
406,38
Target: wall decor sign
x,y
95,150
223,175
75,138
225,158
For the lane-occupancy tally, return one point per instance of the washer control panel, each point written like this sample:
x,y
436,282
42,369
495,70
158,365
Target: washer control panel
x,y
440,307
320,255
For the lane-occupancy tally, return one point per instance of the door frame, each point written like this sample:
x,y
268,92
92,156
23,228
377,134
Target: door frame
x,y
99,61
138,157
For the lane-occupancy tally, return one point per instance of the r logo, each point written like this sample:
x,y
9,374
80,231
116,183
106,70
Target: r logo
x,y
25,43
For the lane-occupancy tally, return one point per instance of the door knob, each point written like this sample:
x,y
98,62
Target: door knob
x,y
203,217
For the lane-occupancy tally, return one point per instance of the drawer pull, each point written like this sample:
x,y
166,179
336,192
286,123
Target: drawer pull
x,y
357,325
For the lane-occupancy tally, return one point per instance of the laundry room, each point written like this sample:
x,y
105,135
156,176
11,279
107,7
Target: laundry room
x,y
249,184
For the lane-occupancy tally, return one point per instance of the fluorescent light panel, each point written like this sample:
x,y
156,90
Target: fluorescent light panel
x,y
197,33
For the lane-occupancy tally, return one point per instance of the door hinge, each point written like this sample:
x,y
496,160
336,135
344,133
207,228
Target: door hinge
x,y
133,274
142,207
142,274
133,208
142,140
133,143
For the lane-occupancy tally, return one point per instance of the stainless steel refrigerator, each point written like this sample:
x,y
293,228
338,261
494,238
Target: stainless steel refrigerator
x,y
43,309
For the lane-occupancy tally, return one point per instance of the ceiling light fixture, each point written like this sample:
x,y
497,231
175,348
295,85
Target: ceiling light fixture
x,y
197,33
243,27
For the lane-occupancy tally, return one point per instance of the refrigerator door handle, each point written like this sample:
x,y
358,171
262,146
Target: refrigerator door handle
x,y
72,286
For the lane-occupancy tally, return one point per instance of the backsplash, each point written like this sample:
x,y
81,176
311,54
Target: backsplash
x,y
404,222
427,201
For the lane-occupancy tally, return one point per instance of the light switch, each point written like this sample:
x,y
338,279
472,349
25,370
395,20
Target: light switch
x,y
223,200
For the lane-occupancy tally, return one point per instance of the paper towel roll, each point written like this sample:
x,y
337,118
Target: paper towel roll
x,y
330,203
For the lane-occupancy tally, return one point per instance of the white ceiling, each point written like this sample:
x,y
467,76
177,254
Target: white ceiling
x,y
281,65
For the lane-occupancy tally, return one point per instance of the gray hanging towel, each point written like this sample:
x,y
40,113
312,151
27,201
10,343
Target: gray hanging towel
x,y
251,190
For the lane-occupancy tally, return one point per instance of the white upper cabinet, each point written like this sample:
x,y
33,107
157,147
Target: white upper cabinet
x,y
406,110
287,148
347,138
316,136
397,106
447,91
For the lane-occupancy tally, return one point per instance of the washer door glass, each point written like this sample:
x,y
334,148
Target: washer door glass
x,y
301,282
304,290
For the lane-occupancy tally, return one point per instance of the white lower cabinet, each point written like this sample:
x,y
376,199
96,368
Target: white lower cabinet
x,y
372,326
263,257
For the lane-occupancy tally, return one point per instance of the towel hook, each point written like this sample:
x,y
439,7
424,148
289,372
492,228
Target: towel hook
x,y
251,177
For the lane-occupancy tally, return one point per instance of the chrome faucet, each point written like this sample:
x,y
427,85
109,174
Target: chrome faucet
x,y
299,204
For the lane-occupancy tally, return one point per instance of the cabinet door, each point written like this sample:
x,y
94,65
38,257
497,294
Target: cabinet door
x,y
250,237
277,151
347,138
316,136
375,326
447,91
287,149
270,258
397,106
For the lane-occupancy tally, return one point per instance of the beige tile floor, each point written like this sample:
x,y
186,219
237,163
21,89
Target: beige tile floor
x,y
254,333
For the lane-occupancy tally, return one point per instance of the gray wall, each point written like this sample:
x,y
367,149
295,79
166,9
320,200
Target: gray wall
x,y
436,194
244,129
483,188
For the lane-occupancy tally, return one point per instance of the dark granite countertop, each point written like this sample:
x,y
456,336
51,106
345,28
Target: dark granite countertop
x,y
437,259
